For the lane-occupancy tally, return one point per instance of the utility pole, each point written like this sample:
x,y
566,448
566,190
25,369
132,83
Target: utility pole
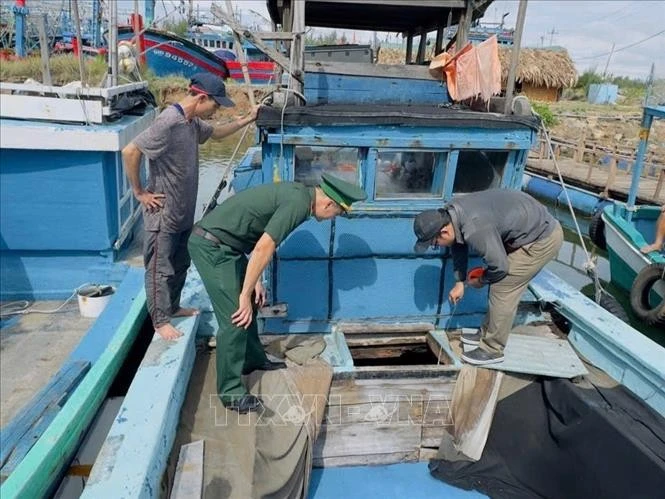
x,y
514,59
608,61
552,33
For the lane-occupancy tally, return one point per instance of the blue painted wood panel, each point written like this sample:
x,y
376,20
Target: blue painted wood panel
x,y
52,275
310,240
322,88
385,288
373,235
57,200
441,138
304,285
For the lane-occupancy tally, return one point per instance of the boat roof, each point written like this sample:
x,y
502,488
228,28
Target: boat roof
x,y
381,15
372,114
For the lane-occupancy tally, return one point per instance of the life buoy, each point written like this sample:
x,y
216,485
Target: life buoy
x,y
640,291
597,230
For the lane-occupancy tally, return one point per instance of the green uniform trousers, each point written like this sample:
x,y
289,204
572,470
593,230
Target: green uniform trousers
x,y
504,296
222,270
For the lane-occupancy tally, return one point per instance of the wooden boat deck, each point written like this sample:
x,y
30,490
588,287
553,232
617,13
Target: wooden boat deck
x,y
32,349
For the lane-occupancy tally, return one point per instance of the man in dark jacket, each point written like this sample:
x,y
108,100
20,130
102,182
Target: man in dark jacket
x,y
516,237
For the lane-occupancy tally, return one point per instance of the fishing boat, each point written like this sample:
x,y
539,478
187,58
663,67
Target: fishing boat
x,y
375,391
168,54
620,228
626,229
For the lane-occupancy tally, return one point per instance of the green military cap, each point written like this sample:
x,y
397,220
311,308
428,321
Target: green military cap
x,y
342,192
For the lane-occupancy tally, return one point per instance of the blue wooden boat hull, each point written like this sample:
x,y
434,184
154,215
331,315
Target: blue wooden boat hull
x,y
63,208
168,55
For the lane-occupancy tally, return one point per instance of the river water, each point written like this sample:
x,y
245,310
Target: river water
x,y
569,265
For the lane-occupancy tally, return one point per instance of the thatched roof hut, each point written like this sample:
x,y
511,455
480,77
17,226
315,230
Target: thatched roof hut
x,y
541,73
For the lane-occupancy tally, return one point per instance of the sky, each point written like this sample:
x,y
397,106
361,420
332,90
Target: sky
x,y
587,29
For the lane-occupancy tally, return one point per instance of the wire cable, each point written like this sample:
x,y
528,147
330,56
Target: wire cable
x,y
620,48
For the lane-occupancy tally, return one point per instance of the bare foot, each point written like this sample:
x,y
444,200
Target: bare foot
x,y
168,332
651,247
186,312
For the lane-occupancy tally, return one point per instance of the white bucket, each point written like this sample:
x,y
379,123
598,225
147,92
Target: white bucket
x,y
93,299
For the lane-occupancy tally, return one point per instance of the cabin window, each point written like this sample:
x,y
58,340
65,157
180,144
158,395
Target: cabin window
x,y
231,45
311,162
409,174
218,43
479,170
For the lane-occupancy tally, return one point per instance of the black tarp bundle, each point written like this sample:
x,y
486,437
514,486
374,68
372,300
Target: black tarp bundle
x,y
555,439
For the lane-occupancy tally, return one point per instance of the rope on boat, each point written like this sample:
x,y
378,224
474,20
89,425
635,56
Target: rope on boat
x,y
450,318
22,307
590,264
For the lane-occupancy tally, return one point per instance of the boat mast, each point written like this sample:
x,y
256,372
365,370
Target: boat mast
x,y
515,56
113,43
149,12
96,24
20,13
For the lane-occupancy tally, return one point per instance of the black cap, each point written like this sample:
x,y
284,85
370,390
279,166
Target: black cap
x,y
427,226
211,85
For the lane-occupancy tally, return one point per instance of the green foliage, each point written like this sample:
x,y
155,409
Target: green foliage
x,y
178,27
589,77
64,69
322,39
544,111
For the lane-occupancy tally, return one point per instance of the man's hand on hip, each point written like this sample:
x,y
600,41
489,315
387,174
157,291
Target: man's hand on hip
x,y
151,200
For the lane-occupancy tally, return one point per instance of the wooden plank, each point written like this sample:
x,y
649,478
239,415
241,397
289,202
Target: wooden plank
x,y
388,372
387,410
51,108
366,439
46,460
474,400
368,327
73,91
374,352
367,340
25,429
133,456
368,459
399,71
188,481
43,50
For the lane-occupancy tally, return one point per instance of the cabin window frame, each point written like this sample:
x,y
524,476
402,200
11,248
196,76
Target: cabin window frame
x,y
509,178
287,165
439,177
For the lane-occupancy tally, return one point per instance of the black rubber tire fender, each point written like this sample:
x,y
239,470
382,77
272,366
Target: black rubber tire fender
x,y
597,230
612,305
639,295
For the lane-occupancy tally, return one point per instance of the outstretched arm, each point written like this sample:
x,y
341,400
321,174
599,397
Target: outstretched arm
x,y
221,131
261,256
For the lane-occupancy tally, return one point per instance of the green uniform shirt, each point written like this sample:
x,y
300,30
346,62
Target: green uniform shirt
x,y
276,209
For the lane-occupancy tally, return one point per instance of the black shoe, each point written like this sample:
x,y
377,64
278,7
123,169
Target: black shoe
x,y
246,403
480,357
267,366
471,338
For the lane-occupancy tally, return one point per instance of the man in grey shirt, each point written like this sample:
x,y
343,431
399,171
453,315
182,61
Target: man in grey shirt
x,y
169,200
516,237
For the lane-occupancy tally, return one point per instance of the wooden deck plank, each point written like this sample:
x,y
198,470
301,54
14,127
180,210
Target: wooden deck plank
x,y
25,429
188,481
133,456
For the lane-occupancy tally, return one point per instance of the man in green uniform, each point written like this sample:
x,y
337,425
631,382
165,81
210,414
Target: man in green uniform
x,y
254,221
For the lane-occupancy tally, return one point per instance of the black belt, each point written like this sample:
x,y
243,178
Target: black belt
x,y
206,235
